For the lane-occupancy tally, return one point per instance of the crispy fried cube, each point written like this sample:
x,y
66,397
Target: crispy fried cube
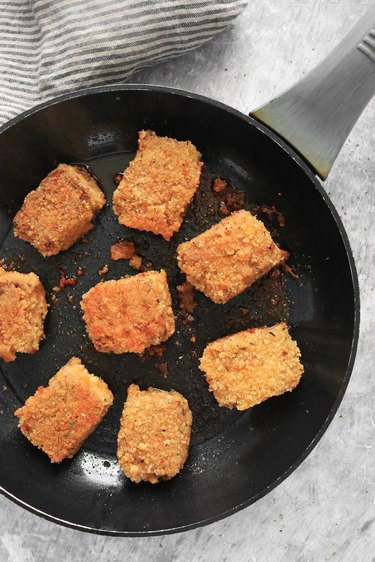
x,y
60,210
129,315
249,367
230,256
23,308
154,435
158,184
58,418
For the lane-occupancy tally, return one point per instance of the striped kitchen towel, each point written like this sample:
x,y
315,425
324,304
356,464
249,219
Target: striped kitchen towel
x,y
51,46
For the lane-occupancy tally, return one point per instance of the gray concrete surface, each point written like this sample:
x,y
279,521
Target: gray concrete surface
x,y
326,509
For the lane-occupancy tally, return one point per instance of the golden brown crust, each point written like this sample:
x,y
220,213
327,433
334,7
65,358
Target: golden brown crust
x,y
249,367
229,257
60,210
154,435
58,418
23,308
158,184
129,315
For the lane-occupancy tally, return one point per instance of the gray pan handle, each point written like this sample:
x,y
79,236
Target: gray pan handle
x,y
316,115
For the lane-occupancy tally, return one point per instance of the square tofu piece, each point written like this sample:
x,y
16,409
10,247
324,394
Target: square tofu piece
x,y
59,417
158,184
249,367
60,210
154,435
23,308
230,256
129,315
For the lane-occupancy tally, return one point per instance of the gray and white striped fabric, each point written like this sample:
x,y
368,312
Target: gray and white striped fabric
x,y
51,46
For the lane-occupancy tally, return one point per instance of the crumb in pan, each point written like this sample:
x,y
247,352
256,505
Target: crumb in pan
x,y
123,250
61,210
220,185
158,184
230,256
249,367
130,314
58,418
162,368
154,435
103,270
136,263
186,298
23,308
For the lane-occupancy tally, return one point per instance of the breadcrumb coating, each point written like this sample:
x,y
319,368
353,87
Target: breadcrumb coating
x,y
249,367
230,256
56,214
154,435
58,418
158,184
23,308
130,314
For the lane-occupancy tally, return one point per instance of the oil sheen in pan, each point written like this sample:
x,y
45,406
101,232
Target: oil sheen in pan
x,y
266,303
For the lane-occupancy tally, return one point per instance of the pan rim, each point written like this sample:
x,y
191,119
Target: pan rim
x,y
354,279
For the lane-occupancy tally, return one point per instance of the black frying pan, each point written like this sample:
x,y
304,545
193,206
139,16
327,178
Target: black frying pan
x,y
235,457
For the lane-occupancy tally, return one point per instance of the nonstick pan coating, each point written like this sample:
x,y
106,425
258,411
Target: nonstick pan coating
x,y
235,457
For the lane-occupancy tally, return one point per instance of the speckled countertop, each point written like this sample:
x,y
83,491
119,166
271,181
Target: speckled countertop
x,y
326,509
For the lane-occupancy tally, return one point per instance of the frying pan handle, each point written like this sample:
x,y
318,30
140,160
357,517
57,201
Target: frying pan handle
x,y
317,114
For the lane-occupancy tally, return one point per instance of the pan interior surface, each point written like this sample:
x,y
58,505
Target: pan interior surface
x,y
235,457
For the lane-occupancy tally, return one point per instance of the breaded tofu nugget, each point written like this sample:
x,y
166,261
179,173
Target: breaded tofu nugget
x,y
158,184
60,210
154,435
230,256
249,367
130,314
23,308
58,418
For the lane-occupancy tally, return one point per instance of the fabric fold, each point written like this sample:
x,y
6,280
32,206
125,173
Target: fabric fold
x,y
47,48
